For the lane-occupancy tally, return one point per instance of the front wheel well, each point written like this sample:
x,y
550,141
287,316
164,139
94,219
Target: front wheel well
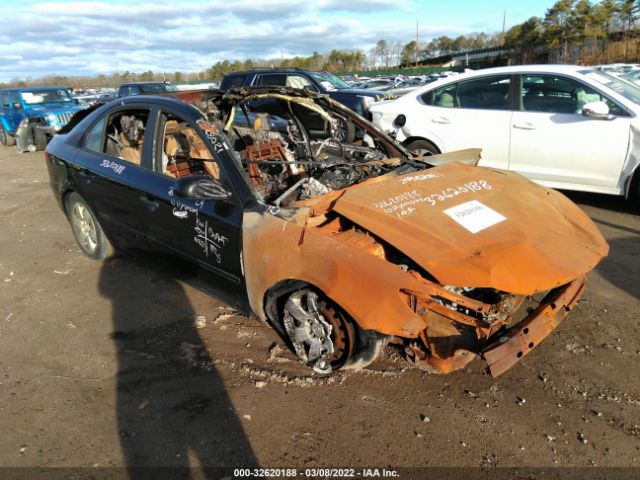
x,y
633,189
364,346
65,198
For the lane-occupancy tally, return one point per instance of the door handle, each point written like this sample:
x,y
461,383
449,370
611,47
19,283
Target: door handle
x,y
87,175
442,120
524,126
150,202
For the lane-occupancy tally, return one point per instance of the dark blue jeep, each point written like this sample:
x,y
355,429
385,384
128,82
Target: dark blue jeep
x,y
30,116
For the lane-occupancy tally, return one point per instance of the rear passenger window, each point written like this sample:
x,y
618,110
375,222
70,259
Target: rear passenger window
x,y
444,97
234,82
125,135
93,140
272,80
490,93
487,93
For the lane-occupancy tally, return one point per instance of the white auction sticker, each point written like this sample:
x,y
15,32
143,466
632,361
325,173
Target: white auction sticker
x,y
474,216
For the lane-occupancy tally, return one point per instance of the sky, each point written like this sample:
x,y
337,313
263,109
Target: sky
x,y
39,38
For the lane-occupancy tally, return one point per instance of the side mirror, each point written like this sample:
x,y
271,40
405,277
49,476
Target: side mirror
x,y
17,105
201,187
598,110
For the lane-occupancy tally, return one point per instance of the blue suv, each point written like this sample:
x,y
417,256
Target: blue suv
x,y
30,116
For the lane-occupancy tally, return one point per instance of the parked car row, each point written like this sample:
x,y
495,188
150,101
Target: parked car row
x,y
29,117
567,127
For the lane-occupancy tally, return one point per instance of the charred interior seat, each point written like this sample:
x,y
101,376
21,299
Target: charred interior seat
x,y
186,152
131,138
175,142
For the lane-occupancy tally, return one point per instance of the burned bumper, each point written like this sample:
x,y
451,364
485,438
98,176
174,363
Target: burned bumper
x,y
519,340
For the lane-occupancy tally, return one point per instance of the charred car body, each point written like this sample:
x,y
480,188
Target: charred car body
x,y
341,246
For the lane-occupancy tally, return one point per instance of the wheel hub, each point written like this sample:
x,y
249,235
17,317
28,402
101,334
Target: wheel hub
x,y
308,330
84,227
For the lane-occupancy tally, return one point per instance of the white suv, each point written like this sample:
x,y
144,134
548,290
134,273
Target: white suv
x,y
566,127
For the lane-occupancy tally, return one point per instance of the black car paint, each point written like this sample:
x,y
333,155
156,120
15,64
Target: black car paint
x,y
136,206
349,97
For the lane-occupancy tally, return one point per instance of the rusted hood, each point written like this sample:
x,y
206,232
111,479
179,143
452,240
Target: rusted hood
x,y
477,227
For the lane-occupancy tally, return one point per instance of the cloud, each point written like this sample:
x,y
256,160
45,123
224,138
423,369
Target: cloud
x,y
359,5
90,37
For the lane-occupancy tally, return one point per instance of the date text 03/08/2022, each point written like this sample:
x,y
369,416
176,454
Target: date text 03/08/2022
x,y
315,473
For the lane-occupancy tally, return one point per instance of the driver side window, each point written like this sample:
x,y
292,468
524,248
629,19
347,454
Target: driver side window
x,y
298,81
557,94
184,152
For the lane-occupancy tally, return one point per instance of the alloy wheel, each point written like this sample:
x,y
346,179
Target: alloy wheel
x,y
84,227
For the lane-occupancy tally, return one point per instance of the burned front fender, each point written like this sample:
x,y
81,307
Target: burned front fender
x,y
355,276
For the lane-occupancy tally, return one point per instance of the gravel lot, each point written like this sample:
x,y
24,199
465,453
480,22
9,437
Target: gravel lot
x,y
131,363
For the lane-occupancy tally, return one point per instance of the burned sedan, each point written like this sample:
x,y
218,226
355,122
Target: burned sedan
x,y
341,246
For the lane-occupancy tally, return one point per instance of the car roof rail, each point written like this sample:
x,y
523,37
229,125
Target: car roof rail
x,y
276,68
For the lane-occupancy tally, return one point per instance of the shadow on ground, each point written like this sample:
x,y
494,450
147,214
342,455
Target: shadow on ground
x,y
613,203
172,407
622,265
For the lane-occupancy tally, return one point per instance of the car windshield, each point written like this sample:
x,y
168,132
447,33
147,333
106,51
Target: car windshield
x,y
35,97
157,88
329,81
631,76
618,85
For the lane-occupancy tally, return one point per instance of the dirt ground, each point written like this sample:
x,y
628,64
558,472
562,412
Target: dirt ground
x,y
128,363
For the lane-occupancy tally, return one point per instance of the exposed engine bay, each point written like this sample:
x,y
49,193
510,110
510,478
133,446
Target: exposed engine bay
x,y
294,149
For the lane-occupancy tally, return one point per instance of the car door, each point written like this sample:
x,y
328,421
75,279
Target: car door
x,y
206,232
15,110
552,142
111,169
472,113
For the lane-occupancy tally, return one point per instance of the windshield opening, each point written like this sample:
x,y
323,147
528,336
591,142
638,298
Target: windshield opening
x,y
35,97
618,85
329,81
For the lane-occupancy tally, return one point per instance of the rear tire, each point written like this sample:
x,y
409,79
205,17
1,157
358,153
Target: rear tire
x,y
6,138
634,190
40,139
422,147
86,229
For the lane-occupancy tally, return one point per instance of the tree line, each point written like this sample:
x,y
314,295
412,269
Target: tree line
x,y
571,31
575,31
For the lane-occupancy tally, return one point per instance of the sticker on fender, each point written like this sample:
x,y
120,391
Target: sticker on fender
x,y
474,216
